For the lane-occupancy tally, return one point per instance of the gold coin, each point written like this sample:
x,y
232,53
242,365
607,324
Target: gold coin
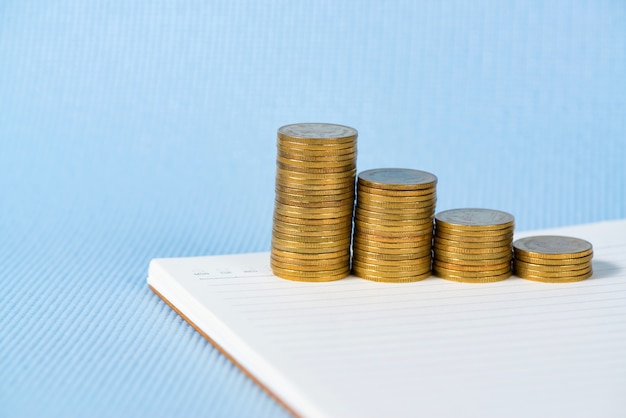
x,y
290,173
320,186
412,268
321,232
377,240
521,271
364,253
315,158
390,253
316,151
552,247
386,207
437,267
397,179
311,213
367,197
306,257
346,191
551,267
414,262
315,203
556,261
392,231
290,246
465,279
413,250
475,219
373,191
340,164
311,261
479,257
299,276
390,278
319,197
484,233
464,267
471,245
293,265
394,215
314,230
296,170
478,252
362,216
464,238
312,239
339,222
328,149
567,279
487,262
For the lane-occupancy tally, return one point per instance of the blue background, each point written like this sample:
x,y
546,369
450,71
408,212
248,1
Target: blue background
x,y
134,130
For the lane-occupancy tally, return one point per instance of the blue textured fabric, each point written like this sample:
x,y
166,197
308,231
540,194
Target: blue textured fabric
x,y
138,129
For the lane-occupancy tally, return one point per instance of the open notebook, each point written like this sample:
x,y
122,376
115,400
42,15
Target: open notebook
x,y
430,348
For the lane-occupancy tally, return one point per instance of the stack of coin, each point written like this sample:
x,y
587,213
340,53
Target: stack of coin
x,y
315,175
393,225
553,259
473,245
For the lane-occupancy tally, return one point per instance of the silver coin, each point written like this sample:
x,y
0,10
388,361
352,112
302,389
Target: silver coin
x,y
553,244
475,217
398,177
317,131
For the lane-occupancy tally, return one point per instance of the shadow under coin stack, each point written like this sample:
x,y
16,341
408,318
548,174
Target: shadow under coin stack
x,y
315,174
393,225
552,259
473,245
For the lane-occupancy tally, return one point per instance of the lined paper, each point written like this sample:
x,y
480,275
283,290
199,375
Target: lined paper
x,y
430,348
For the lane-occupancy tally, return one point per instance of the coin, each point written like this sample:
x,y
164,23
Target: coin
x,y
523,271
391,277
551,267
476,257
297,257
411,254
289,174
314,203
367,197
397,179
485,233
567,279
291,265
478,252
422,216
475,219
466,279
494,240
318,132
556,261
324,157
473,268
552,247
309,276
373,191
323,169
379,266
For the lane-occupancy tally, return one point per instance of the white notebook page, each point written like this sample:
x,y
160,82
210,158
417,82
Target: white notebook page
x,y
430,348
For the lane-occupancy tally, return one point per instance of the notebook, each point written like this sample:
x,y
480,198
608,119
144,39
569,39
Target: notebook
x,y
431,348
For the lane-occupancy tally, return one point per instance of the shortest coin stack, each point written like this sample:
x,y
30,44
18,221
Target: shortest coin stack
x,y
473,245
393,225
552,259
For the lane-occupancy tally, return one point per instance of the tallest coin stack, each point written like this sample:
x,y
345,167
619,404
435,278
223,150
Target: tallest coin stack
x,y
315,176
